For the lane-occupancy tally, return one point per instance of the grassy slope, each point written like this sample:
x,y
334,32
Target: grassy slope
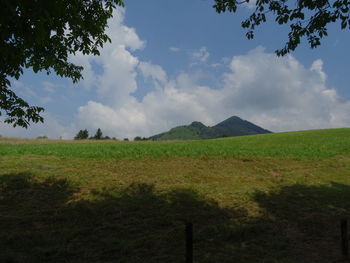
x,y
265,198
305,144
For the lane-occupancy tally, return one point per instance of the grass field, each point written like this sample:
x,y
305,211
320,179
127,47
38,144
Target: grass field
x,y
265,198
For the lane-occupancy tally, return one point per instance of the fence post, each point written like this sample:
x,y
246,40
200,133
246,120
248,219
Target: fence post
x,y
344,238
189,242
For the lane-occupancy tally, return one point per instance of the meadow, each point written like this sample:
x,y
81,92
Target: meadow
x,y
262,198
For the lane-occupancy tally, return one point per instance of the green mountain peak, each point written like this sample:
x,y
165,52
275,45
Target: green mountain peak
x,y
233,126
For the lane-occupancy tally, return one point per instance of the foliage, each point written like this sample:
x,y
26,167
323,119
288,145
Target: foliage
x,y
82,135
41,35
139,138
98,135
306,18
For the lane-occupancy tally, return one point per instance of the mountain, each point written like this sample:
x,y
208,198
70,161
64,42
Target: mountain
x,y
233,126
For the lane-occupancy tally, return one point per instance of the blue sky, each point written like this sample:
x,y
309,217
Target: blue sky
x,y
174,62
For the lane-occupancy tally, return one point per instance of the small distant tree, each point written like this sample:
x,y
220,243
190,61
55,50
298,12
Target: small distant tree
x,y
98,135
82,135
126,139
139,138
42,137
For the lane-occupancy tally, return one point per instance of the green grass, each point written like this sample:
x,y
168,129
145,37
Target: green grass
x,y
265,198
305,144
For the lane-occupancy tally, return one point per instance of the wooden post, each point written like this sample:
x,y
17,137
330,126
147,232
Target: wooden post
x,y
344,238
189,242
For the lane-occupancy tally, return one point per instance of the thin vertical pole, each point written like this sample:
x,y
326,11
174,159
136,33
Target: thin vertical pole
x,y
344,237
189,242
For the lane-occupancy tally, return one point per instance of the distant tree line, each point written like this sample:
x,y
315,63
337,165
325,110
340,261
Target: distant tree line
x,y
41,137
138,138
84,135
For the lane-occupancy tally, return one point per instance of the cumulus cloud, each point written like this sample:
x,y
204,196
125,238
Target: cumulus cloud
x,y
117,78
51,128
32,94
277,93
158,111
174,49
155,72
201,55
280,93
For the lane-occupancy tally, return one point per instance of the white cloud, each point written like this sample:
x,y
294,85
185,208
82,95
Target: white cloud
x,y
201,55
280,93
158,111
29,93
123,122
48,86
45,100
118,76
115,82
277,93
155,72
51,128
174,49
251,4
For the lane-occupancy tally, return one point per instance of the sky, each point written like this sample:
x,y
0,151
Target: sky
x,y
174,62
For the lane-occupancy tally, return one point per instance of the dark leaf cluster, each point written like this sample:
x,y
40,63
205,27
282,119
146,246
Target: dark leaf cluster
x,y
41,34
306,18
98,135
138,138
82,135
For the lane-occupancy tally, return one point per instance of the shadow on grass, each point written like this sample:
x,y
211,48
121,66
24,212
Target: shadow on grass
x,y
309,217
39,222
